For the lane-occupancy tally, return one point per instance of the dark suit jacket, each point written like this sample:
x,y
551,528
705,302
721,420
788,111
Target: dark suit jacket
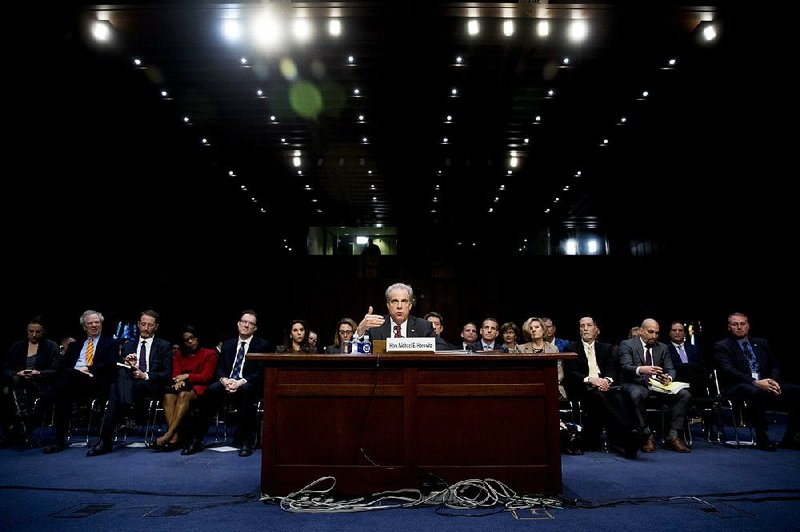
x,y
631,356
692,354
253,372
733,366
478,346
444,345
46,358
417,328
159,372
578,369
106,354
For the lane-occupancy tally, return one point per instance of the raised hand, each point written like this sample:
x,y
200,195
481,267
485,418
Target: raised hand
x,y
370,320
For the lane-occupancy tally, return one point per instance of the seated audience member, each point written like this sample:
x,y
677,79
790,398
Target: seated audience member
x,y
342,337
239,381
297,340
82,373
526,330
29,368
438,327
639,360
550,335
145,370
688,361
510,334
539,346
192,371
312,341
489,331
569,433
469,334
537,343
398,323
589,379
748,370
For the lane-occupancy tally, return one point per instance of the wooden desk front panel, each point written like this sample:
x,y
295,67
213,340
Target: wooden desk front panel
x,y
380,429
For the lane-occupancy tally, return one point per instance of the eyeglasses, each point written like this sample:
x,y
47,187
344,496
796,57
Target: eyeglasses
x,y
248,322
345,332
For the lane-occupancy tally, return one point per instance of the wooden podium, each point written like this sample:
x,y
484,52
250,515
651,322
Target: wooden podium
x,y
386,422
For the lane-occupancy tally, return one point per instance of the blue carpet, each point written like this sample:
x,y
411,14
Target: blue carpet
x,y
713,488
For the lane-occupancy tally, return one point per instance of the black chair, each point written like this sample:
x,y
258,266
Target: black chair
x,y
733,410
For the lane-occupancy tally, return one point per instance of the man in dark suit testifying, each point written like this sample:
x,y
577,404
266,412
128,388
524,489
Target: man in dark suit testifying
x,y
643,357
398,323
749,371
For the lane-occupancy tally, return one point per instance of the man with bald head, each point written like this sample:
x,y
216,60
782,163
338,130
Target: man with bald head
x,y
748,370
641,358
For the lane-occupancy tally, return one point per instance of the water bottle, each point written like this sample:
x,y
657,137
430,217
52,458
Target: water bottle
x,y
354,346
604,440
365,347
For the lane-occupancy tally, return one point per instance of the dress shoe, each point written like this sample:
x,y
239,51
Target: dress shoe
x,y
766,445
9,440
246,450
573,450
650,445
676,444
633,441
791,442
57,447
166,448
101,447
194,446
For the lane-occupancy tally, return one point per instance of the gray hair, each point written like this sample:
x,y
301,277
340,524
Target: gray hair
x,y
401,286
88,313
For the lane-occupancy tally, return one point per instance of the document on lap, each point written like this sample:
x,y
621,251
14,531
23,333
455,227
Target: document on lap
x,y
672,387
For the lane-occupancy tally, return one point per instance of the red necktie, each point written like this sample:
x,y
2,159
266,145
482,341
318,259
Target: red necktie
x,y
398,332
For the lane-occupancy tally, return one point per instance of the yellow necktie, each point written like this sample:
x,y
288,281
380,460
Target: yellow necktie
x,y
90,352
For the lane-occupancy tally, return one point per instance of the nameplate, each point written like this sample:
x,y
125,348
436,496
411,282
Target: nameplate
x,y
399,345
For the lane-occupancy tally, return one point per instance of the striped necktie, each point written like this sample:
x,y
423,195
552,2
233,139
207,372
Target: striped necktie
x,y
236,374
90,352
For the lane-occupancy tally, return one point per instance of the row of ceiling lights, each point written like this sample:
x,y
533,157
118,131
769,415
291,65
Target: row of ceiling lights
x,y
101,31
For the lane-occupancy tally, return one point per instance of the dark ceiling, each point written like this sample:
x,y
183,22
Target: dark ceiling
x,y
137,147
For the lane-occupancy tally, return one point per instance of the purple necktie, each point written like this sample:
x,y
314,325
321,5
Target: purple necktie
x,y
398,332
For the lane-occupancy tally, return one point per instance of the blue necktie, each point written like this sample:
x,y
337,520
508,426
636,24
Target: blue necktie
x,y
751,358
237,365
143,357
